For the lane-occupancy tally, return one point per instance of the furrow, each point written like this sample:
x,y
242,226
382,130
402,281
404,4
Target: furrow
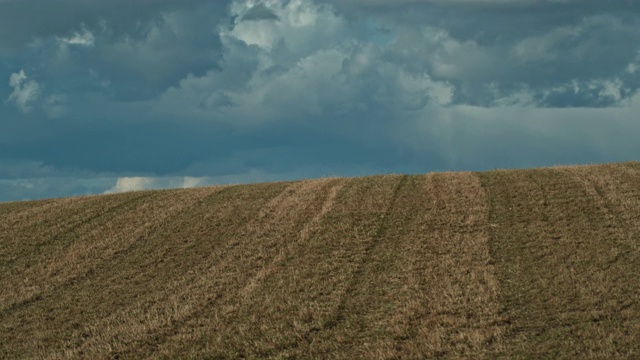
x,y
138,330
428,289
562,246
296,217
35,271
120,290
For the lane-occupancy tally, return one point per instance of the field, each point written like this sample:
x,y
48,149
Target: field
x,y
540,263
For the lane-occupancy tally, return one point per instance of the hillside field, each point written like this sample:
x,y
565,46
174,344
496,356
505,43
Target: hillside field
x,y
540,263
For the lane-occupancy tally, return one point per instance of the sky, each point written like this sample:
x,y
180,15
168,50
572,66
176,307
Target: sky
x,y
108,96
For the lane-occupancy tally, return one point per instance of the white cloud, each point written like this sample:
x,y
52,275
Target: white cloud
x,y
422,87
25,91
138,183
125,184
84,38
303,61
608,92
611,89
272,68
634,66
191,182
544,47
576,41
302,26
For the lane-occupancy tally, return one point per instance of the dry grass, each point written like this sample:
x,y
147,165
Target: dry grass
x,y
565,241
530,264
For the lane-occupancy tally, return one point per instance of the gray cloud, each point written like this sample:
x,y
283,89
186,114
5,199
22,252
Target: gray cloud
x,y
23,21
245,91
259,12
490,47
25,91
126,50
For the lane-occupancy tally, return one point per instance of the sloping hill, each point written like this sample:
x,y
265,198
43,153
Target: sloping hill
x,y
537,263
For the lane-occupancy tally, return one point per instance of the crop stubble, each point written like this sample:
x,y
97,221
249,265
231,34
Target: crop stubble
x,y
566,245
525,263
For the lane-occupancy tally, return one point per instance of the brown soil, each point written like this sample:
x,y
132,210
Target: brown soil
x,y
538,263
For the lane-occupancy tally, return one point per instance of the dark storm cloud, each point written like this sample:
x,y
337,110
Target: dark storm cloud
x,y
128,50
259,12
498,46
23,21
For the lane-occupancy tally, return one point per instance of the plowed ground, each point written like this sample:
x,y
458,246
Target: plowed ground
x,y
537,263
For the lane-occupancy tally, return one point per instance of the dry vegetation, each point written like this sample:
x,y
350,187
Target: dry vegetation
x,y
505,264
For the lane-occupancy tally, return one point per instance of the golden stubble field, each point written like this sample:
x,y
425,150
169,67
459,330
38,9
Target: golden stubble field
x,y
538,263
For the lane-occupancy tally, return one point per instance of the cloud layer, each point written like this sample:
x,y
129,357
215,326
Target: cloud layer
x,y
128,95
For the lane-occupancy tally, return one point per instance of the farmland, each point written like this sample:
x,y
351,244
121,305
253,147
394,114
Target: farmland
x,y
537,263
